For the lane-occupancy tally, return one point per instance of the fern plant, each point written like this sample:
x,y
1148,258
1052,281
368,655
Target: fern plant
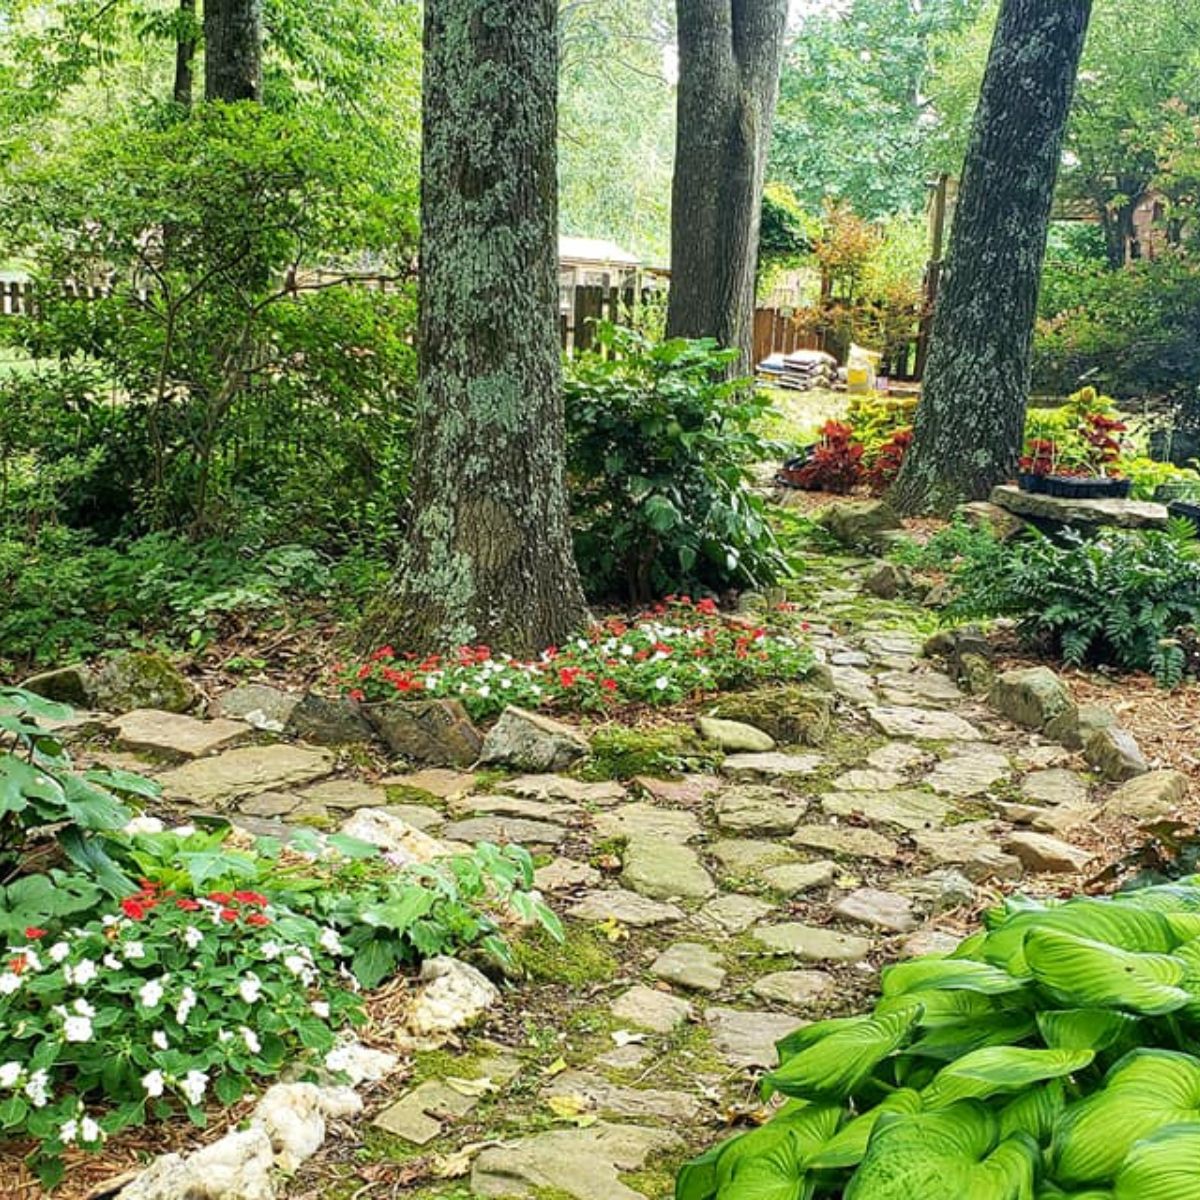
x,y
1122,598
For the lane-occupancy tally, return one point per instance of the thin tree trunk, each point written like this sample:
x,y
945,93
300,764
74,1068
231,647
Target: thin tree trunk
x,y
185,54
233,50
489,557
729,58
969,424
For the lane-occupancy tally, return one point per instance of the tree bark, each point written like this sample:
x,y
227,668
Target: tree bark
x,y
970,422
729,59
185,54
233,41
489,557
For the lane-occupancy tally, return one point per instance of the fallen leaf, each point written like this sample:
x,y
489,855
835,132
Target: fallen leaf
x,y
471,1087
626,1037
567,1105
557,1067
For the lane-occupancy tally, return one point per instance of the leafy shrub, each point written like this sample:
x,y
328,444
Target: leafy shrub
x,y
1048,1051
1120,598
876,418
888,461
658,658
835,463
660,451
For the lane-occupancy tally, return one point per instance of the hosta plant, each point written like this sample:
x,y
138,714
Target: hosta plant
x,y
1051,1056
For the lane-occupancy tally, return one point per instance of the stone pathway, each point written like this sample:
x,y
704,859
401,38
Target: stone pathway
x,y
707,916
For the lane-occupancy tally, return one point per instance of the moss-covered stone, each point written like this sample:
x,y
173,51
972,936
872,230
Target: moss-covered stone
x,y
793,715
619,753
138,679
583,958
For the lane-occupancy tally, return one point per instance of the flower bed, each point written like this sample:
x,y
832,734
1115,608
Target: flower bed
x,y
677,650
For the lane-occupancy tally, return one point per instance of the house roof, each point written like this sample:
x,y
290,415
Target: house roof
x,y
595,250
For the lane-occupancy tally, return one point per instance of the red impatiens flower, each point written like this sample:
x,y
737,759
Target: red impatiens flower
x,y
258,919
229,914
708,606
133,908
220,897
357,694
568,675
188,905
18,965
33,933
609,685
256,898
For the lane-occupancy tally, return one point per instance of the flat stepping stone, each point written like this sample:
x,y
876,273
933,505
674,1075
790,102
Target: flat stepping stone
x,y
665,870
1043,854
437,781
497,804
734,737
627,908
969,774
848,841
904,810
1055,786
584,1164
867,779
520,830
922,689
174,737
344,794
419,816
879,910
892,643
853,686
597,1094
650,1008
1148,797
690,965
218,781
762,810
647,820
732,913
971,846
923,724
796,989
897,757
928,941
794,878
747,1038
564,875
811,943
688,792
625,1058
561,787
269,805
939,891
747,856
850,658
775,765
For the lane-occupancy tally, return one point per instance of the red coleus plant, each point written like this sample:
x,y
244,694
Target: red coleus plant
x,y
889,460
1041,457
835,463
1103,437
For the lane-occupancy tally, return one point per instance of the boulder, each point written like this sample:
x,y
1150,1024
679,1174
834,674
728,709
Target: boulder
x,y
139,679
328,721
236,1167
453,996
859,524
982,514
530,741
1074,726
1087,515
402,843
1031,696
67,685
259,705
886,580
1114,752
791,714
1148,797
436,732
734,737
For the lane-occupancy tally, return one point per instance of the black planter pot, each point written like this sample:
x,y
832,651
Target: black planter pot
x,y
1071,487
1027,481
1189,510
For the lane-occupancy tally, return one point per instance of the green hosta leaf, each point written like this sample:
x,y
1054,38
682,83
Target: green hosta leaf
x,y
32,705
1087,974
1144,1092
945,1008
947,1155
999,1069
947,973
1165,1166
848,1146
809,1035
1035,1112
839,1063
952,1040
1084,1028
1182,896
1185,926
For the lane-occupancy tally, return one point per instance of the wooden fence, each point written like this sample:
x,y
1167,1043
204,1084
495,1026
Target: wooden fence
x,y
777,332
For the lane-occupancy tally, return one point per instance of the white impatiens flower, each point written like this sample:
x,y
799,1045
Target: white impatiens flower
x,y
89,1131
270,951
37,1089
82,973
662,683
83,1008
158,1039
251,1040
153,1084
184,1008
293,962
321,1009
68,1131
112,962
32,962
77,1029
58,951
192,1085
134,950
192,937
330,941
151,993
9,983
250,987
627,650
10,1072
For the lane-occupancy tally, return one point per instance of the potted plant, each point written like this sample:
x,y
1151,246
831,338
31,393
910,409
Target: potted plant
x,y
1089,473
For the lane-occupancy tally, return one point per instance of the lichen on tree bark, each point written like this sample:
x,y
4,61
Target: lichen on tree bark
x,y
969,424
489,557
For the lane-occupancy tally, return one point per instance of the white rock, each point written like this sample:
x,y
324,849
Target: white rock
x,y
454,996
238,1167
294,1120
404,844
143,825
359,1063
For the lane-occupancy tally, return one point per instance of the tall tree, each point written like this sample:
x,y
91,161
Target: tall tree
x,y
969,424
185,53
489,557
233,50
729,56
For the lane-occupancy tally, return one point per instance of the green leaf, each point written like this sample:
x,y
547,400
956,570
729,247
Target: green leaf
x,y
999,1069
125,782
770,1163
923,974
375,960
837,1064
1082,973
1144,1092
951,1040
1165,1166
352,848
1084,1028
848,1146
1035,1113
20,782
89,854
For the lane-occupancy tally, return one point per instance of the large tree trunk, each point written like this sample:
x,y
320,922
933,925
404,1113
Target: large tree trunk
x,y
185,53
729,57
233,50
970,421
489,557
